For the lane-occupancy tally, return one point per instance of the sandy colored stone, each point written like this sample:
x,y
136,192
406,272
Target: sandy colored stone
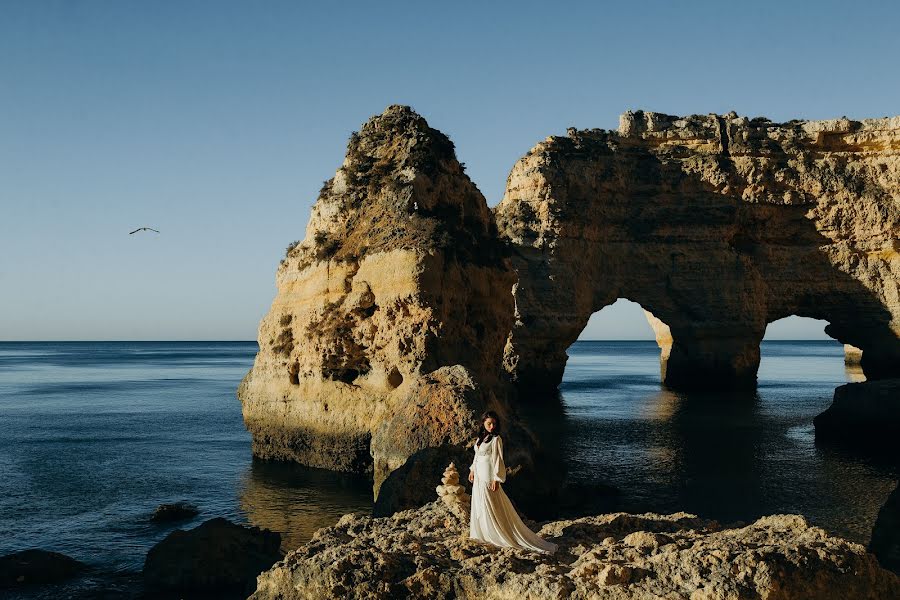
x,y
386,333
715,224
425,553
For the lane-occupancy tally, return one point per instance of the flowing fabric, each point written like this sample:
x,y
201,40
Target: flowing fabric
x,y
494,520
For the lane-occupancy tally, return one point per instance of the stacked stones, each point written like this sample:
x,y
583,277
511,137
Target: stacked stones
x,y
453,494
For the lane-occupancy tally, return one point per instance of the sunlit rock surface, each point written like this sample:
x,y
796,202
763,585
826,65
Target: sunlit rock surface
x,y
717,225
387,331
426,553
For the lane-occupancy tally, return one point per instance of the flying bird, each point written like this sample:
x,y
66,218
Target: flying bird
x,y
142,229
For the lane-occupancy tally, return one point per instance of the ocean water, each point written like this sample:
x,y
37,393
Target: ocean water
x,y
93,436
727,456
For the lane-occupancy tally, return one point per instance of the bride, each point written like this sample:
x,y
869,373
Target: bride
x,y
494,520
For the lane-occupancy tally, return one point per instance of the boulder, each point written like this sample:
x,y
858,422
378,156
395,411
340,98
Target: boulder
x,y
216,556
178,511
36,566
885,542
866,414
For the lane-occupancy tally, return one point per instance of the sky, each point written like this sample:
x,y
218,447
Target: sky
x,y
216,123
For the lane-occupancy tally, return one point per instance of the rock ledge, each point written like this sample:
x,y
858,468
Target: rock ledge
x,y
425,553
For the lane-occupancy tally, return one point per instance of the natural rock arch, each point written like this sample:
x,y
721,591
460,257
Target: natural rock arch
x,y
394,326
718,225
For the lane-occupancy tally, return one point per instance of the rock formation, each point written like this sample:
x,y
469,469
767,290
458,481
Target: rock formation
x,y
426,553
387,332
717,225
409,307
865,414
453,495
885,542
217,557
35,566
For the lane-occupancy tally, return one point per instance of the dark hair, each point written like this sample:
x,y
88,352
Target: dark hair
x,y
485,434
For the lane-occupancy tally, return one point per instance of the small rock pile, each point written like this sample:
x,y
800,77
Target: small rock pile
x,y
453,495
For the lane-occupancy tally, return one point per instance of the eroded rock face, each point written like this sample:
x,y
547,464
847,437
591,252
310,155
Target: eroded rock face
x,y
717,225
426,553
387,331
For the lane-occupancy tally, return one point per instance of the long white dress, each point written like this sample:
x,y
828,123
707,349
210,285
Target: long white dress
x,y
494,520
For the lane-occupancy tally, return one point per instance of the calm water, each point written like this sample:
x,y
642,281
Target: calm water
x,y
93,436
726,456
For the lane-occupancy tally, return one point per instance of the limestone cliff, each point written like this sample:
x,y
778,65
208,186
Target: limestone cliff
x,y
387,331
717,225
426,553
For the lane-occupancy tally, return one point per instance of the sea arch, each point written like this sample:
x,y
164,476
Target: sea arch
x,y
717,225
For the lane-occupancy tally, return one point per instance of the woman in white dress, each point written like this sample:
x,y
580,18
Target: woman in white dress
x,y
494,520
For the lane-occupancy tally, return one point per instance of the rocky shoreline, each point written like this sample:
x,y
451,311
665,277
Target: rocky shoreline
x,y
426,553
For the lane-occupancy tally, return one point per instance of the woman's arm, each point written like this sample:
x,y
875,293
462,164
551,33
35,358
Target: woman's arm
x,y
499,465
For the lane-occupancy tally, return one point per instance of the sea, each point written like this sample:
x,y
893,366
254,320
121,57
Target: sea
x,y
95,435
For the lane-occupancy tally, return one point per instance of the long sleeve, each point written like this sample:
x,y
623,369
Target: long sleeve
x,y
474,458
499,467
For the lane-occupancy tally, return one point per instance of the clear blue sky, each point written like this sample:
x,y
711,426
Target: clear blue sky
x,y
216,122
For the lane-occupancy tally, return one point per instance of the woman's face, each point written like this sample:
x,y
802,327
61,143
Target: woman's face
x,y
490,424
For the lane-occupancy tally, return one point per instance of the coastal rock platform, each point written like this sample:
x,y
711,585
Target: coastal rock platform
x,y
426,553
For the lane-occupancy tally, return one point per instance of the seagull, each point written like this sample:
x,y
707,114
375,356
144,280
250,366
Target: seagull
x,y
142,229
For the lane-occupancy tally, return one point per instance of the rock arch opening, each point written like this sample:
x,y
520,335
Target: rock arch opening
x,y
803,344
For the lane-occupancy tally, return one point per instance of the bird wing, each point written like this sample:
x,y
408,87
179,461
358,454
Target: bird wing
x,y
135,231
151,229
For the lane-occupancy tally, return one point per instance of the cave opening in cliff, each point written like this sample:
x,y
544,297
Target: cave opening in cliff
x,y
796,345
622,343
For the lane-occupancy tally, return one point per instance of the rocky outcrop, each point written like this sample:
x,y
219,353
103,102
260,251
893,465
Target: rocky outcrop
x,y
34,566
885,542
717,225
426,553
409,306
215,557
865,414
387,332
176,511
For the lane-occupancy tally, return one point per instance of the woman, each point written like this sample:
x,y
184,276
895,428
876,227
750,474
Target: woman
x,y
494,520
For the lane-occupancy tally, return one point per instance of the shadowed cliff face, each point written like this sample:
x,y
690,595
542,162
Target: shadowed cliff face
x,y
717,225
387,331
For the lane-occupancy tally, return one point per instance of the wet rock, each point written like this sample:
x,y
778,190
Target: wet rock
x,y
217,556
426,553
36,566
865,413
178,511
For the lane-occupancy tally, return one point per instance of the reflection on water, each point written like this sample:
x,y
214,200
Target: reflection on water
x,y
729,456
296,500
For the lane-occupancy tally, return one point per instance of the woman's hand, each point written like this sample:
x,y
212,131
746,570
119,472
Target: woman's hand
x,y
471,477
492,486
